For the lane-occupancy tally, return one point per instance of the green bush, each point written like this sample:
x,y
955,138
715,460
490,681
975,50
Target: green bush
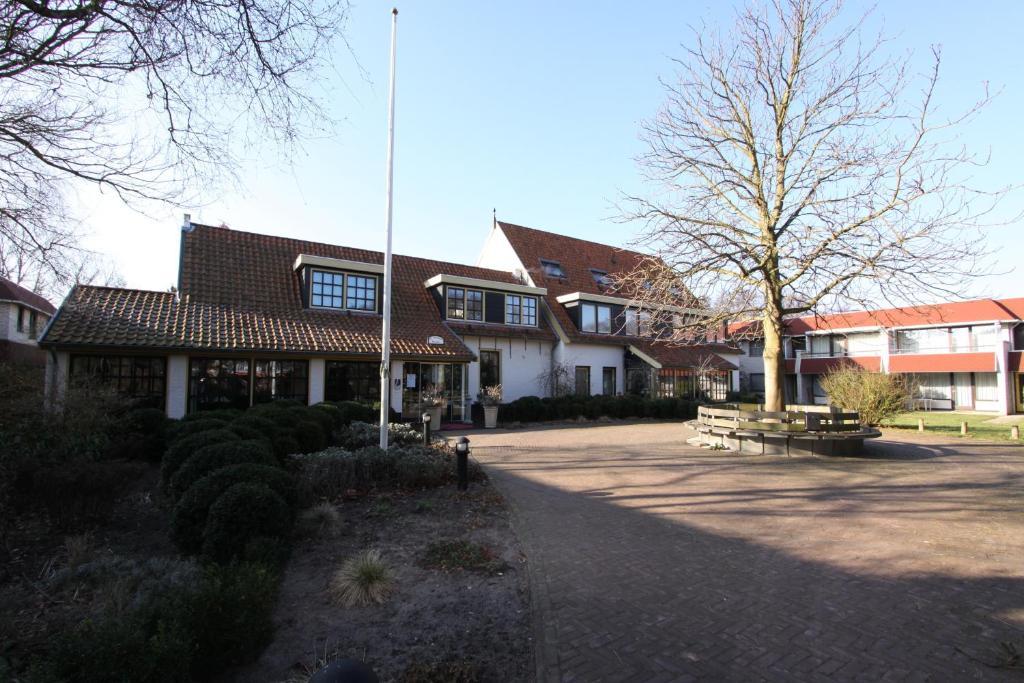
x,y
247,433
242,514
364,434
140,434
534,409
218,455
285,445
353,411
318,413
332,412
190,514
311,436
80,494
182,450
191,631
259,423
182,429
222,414
876,396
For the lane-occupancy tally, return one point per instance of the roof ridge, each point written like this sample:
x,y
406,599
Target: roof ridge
x,y
343,246
570,237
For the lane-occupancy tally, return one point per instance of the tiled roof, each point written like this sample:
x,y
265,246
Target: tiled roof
x,y
951,313
10,291
676,356
577,257
239,292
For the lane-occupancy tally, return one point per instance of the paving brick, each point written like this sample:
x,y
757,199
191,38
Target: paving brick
x,y
650,560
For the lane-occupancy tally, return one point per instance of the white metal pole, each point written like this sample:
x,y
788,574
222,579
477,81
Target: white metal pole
x,y
385,343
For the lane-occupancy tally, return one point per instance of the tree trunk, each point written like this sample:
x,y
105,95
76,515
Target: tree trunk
x,y
774,361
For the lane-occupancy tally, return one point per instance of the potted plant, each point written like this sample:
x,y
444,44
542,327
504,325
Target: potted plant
x,y
433,402
490,398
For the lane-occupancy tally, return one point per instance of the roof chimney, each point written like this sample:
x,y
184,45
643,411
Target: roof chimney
x,y
187,223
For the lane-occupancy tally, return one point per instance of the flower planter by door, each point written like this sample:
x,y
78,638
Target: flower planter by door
x,y
490,417
435,416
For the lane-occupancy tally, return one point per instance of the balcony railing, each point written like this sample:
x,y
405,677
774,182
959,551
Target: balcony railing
x,y
966,348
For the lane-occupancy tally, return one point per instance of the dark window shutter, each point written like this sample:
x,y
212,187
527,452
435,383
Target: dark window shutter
x,y
494,306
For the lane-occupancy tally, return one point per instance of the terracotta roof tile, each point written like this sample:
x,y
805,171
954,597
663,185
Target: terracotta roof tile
x,y
676,356
239,292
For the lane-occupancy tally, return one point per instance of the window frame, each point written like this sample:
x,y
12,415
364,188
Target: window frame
x,y
549,265
450,314
631,322
596,308
576,383
601,278
359,377
467,298
495,354
604,380
520,310
278,377
157,398
346,288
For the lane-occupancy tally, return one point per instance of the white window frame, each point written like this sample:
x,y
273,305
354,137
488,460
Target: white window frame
x,y
520,298
597,318
632,322
344,275
465,304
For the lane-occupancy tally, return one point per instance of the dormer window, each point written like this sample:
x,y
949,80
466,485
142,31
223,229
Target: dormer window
x,y
595,318
465,304
343,291
552,268
520,310
601,277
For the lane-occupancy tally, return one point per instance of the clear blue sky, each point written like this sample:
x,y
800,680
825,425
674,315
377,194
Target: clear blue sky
x,y
533,108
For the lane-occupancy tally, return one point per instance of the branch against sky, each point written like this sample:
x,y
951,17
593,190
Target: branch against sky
x,y
148,100
795,166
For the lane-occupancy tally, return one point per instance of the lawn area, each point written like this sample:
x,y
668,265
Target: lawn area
x,y
980,425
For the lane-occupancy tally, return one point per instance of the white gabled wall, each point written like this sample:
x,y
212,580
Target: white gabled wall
x,y
498,254
522,363
597,357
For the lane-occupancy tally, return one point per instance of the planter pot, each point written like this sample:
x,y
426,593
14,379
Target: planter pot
x,y
435,416
490,417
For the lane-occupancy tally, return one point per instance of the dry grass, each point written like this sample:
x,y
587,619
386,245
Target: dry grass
x,y
78,550
323,519
363,580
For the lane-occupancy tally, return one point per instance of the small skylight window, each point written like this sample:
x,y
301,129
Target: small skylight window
x,y
552,268
601,277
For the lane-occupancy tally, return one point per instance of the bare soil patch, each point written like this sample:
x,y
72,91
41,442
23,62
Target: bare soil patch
x,y
440,624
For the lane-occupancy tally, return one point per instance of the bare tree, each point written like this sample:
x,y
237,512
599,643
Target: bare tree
x,y
559,379
144,99
796,169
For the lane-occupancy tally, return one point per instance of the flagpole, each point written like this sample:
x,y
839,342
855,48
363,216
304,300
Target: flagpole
x,y
385,343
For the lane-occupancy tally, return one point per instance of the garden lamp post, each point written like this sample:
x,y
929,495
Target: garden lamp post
x,y
462,462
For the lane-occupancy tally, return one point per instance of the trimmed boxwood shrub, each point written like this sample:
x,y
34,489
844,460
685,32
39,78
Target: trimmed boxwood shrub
x,y
222,414
245,513
248,433
182,449
311,436
190,514
353,411
140,434
182,429
332,412
215,456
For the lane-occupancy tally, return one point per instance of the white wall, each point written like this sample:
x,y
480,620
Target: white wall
x,y
317,368
9,324
597,357
522,363
498,254
6,318
177,386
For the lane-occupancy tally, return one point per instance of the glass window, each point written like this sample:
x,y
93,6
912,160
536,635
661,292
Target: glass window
x,y
604,319
582,380
552,268
984,338
352,381
21,318
645,323
601,277
33,324
490,368
588,317
361,293
474,304
456,303
985,386
608,381
757,382
280,379
933,385
632,325
520,310
218,383
328,290
140,378
756,349
820,345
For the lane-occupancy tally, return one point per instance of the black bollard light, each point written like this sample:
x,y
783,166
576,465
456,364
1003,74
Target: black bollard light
x,y
426,428
462,462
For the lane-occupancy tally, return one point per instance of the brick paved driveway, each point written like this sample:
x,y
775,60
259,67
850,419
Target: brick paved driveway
x,y
651,560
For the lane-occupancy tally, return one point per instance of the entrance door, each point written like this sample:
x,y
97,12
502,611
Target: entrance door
x,y
962,392
1019,393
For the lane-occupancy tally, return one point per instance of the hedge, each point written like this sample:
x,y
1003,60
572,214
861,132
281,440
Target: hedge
x,y
183,448
536,409
245,513
215,456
